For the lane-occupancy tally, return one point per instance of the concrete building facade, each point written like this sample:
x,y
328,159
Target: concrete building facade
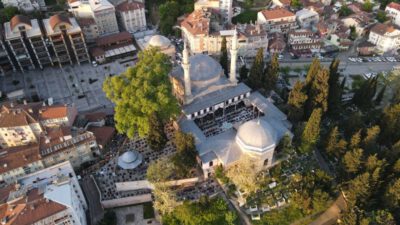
x,y
131,16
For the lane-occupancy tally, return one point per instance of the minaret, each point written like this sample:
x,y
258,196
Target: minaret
x,y
234,52
186,74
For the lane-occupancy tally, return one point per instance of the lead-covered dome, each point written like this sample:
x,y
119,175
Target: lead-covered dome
x,y
130,160
257,136
159,41
204,68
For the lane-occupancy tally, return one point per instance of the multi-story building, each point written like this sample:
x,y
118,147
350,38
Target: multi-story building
x,y
204,33
26,5
66,37
386,38
48,196
224,8
113,46
22,124
303,42
393,11
131,16
6,64
277,20
89,29
102,11
307,18
27,43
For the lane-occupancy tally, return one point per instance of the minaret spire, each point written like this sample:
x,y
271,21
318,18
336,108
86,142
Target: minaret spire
x,y
186,73
234,52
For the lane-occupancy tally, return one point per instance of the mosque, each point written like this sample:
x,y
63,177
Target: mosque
x,y
227,119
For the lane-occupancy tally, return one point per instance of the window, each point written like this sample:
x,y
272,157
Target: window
x,y
211,163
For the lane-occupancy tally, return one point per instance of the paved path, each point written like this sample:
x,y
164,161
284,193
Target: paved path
x,y
332,214
96,211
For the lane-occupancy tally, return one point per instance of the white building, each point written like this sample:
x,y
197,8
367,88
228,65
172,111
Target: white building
x,y
26,5
307,18
393,11
277,20
102,11
386,38
224,7
204,34
131,16
48,196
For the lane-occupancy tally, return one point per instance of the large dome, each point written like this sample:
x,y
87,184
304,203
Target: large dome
x,y
130,160
204,68
256,135
159,41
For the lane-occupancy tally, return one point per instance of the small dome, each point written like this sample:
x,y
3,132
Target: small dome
x,y
256,135
130,160
159,41
203,68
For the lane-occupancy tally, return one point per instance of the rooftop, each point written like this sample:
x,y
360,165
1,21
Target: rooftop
x,y
394,5
271,14
124,36
383,29
53,25
198,22
129,5
11,29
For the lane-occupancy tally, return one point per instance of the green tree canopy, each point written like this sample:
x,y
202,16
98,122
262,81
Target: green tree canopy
x,y
243,72
271,73
296,101
318,93
168,12
141,91
311,132
185,157
381,16
156,137
256,70
334,96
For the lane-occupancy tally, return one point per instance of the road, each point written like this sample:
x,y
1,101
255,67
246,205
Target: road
x,y
96,211
331,215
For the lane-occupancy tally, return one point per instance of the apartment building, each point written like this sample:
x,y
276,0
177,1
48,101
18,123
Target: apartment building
x,y
48,196
131,16
22,124
277,20
307,18
104,15
385,37
26,5
393,12
89,29
224,8
204,32
6,65
66,37
27,43
113,46
303,42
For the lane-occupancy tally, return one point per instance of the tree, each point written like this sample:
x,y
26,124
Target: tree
x,y
223,60
296,4
285,145
168,12
296,101
364,95
243,175
353,33
110,218
370,140
334,144
381,16
345,11
185,157
390,125
160,170
311,131
164,198
383,217
367,6
352,160
9,12
318,93
256,70
243,73
355,140
392,194
271,73
334,98
380,96
156,137
141,91
313,69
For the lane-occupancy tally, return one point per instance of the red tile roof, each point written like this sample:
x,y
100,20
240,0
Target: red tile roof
x,y
114,39
277,13
394,5
16,157
18,19
382,29
129,5
103,134
198,22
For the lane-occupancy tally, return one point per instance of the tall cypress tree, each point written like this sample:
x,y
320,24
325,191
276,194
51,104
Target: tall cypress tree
x,y
271,73
363,97
224,56
334,88
296,101
318,92
256,70
380,95
243,73
156,137
312,71
310,135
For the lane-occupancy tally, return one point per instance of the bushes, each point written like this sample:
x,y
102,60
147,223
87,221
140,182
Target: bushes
x,y
245,17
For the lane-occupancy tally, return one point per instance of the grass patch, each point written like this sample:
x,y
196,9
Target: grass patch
x,y
245,17
148,211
